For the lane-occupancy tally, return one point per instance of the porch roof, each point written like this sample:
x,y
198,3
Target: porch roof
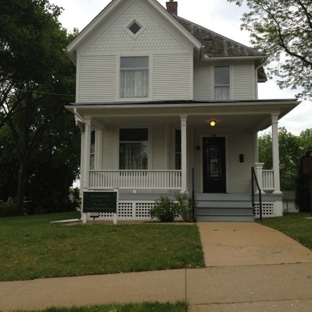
x,y
254,115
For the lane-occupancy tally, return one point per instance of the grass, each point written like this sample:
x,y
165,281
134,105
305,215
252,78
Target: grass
x,y
137,307
31,247
295,225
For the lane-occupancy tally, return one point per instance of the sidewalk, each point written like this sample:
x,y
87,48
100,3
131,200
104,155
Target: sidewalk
x,y
249,268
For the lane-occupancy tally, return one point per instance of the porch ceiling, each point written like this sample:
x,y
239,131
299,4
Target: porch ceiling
x,y
243,122
252,116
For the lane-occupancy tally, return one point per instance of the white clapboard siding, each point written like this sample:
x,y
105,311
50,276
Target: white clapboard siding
x,y
202,83
158,148
244,82
239,174
111,148
96,79
172,77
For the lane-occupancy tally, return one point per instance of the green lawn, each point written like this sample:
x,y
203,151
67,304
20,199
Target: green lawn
x,y
295,225
141,307
31,247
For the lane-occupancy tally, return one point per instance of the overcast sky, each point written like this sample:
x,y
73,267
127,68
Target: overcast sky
x,y
218,15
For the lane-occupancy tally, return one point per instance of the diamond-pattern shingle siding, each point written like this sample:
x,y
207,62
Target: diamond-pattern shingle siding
x,y
152,37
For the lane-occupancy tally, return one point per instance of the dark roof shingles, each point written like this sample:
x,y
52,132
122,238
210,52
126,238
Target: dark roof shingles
x,y
216,45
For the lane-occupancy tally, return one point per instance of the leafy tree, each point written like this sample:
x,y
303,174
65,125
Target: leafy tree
x,y
283,30
35,80
51,170
289,151
291,148
265,151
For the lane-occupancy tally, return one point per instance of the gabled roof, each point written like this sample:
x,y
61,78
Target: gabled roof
x,y
211,44
216,45
114,4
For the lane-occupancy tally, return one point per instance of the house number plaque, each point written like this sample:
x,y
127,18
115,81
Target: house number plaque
x,y
100,202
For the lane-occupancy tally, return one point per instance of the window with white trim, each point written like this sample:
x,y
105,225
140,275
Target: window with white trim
x,y
178,149
222,83
92,150
134,77
133,149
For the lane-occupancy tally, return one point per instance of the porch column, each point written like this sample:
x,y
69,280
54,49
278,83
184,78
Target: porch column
x,y
275,156
184,153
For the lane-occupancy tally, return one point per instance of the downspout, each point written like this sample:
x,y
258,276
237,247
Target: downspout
x,y
202,55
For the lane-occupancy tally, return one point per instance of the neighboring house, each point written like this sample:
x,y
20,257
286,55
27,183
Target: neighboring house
x,y
158,95
289,201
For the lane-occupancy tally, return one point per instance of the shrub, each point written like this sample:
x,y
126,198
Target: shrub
x,y
165,209
185,206
7,209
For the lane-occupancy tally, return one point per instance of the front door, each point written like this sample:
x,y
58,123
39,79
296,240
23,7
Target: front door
x,y
214,175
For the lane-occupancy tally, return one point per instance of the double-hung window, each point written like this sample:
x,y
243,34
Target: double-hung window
x,y
133,149
178,149
134,77
222,83
92,150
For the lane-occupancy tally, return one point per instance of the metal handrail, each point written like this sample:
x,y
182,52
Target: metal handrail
x,y
254,179
193,197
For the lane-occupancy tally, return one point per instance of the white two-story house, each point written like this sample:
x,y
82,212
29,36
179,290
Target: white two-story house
x,y
165,105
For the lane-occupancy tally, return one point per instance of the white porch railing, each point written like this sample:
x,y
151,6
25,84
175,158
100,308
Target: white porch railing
x,y
268,180
135,179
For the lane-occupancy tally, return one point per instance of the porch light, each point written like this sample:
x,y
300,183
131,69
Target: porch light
x,y
212,123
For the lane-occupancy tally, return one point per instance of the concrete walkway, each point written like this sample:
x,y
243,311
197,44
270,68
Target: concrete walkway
x,y
249,267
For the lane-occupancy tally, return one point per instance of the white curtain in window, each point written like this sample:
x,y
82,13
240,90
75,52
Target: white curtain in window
x,y
133,155
222,93
134,83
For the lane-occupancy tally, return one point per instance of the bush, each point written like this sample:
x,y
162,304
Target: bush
x,y
185,206
7,209
165,209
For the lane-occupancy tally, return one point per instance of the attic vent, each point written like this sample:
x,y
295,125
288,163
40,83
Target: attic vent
x,y
134,27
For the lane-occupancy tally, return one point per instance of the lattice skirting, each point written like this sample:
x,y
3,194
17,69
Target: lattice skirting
x,y
132,210
267,210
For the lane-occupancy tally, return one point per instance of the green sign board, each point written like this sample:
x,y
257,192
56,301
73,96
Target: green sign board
x,y
100,202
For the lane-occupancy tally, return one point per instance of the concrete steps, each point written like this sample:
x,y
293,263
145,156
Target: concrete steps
x,y
224,208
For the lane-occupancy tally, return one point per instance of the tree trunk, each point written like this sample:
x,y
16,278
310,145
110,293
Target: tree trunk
x,y
22,173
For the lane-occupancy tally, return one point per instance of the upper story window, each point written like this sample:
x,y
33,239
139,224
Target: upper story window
x,y
134,77
222,83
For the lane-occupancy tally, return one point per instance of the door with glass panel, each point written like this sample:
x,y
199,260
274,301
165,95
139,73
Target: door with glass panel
x,y
214,170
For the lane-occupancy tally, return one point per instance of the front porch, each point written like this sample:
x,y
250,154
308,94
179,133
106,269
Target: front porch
x,y
139,189
146,150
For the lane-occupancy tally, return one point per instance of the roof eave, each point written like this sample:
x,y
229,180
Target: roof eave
x,y
261,58
71,48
